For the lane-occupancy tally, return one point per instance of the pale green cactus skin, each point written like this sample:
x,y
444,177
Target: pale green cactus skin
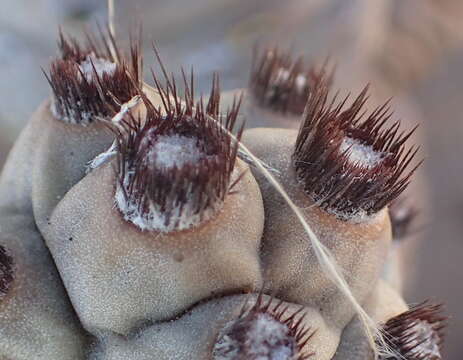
x,y
89,285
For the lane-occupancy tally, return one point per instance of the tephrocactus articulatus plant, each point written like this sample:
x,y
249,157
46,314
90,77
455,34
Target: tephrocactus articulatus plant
x,y
142,223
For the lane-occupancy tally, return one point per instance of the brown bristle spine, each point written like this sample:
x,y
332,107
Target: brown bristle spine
x,y
265,331
283,84
89,81
351,167
175,168
403,216
6,271
418,333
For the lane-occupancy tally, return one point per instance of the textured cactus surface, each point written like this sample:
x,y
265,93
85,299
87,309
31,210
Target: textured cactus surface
x,y
135,222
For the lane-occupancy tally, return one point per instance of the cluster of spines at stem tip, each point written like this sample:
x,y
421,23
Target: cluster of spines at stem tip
x,y
269,330
417,334
351,166
93,80
184,192
283,84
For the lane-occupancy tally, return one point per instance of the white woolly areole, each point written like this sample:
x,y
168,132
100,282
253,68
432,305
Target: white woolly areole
x,y
101,66
169,151
266,339
363,156
175,150
283,75
423,343
360,154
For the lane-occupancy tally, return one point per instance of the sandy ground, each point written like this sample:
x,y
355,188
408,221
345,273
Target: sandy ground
x,y
390,45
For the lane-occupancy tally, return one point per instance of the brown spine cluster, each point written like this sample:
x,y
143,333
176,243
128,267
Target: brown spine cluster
x,y
418,333
78,99
283,84
240,341
338,184
6,271
198,185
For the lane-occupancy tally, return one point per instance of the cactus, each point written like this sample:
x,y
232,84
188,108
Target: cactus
x,y
137,223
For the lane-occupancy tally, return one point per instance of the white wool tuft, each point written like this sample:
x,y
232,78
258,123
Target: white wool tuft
x,y
283,75
168,151
101,66
266,339
423,343
360,154
175,150
301,82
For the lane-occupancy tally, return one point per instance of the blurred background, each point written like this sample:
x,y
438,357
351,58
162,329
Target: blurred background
x,y
409,49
